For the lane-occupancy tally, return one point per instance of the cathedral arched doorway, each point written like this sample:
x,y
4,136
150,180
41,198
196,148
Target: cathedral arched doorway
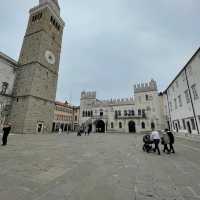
x,y
131,126
100,126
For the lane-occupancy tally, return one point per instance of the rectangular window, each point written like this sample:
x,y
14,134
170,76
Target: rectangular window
x,y
193,124
187,96
175,103
170,106
183,76
173,88
190,70
180,101
177,85
195,94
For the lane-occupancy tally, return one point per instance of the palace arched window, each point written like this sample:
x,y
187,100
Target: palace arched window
x,y
143,125
120,125
83,113
119,112
133,112
112,125
143,113
125,112
139,112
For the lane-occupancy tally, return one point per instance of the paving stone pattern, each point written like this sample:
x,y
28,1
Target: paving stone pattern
x,y
98,167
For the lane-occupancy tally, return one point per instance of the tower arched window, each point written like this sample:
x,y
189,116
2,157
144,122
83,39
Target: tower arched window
x,y
143,125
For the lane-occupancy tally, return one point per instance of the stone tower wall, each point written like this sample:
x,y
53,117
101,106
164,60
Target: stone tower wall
x,y
36,82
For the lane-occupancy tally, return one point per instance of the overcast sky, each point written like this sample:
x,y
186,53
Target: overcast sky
x,y
110,45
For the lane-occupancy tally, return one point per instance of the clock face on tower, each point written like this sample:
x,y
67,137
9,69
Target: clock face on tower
x,y
50,57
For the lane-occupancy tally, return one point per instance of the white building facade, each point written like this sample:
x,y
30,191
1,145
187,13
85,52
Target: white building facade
x,y
7,78
182,98
136,114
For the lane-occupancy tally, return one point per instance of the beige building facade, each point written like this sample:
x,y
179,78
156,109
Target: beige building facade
x,y
66,117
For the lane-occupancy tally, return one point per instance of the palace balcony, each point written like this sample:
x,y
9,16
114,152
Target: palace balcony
x,y
100,117
131,117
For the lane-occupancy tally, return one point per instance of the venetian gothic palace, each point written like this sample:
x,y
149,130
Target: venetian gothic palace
x,y
176,108
136,114
27,96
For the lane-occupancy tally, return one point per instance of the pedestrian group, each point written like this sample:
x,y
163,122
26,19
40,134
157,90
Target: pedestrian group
x,y
167,140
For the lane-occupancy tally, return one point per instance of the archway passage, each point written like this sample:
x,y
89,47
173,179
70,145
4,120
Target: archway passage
x,y
100,126
131,126
89,128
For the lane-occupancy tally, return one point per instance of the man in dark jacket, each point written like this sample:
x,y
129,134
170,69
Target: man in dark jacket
x,y
171,141
6,131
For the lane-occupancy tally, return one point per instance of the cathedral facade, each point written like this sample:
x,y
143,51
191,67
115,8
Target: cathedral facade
x,y
33,93
140,113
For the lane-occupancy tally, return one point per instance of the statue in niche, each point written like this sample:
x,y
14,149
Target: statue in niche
x,y
4,87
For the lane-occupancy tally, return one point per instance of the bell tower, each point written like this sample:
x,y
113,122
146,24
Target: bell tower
x,y
36,82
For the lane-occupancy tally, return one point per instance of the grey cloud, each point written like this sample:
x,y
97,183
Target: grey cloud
x,y
109,45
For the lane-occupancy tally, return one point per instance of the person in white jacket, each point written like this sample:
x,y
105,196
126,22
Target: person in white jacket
x,y
155,137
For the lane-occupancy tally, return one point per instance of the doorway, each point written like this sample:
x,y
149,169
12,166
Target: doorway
x,y
189,127
40,127
100,126
131,126
176,126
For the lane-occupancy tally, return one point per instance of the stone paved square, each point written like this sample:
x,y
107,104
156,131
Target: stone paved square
x,y
98,167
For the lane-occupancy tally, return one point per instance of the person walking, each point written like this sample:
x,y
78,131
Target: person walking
x,y
60,131
155,137
171,141
165,142
6,131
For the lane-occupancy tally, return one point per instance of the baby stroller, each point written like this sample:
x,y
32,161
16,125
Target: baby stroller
x,y
147,143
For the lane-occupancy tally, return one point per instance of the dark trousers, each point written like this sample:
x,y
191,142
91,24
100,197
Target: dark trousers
x,y
156,142
4,139
171,148
166,148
